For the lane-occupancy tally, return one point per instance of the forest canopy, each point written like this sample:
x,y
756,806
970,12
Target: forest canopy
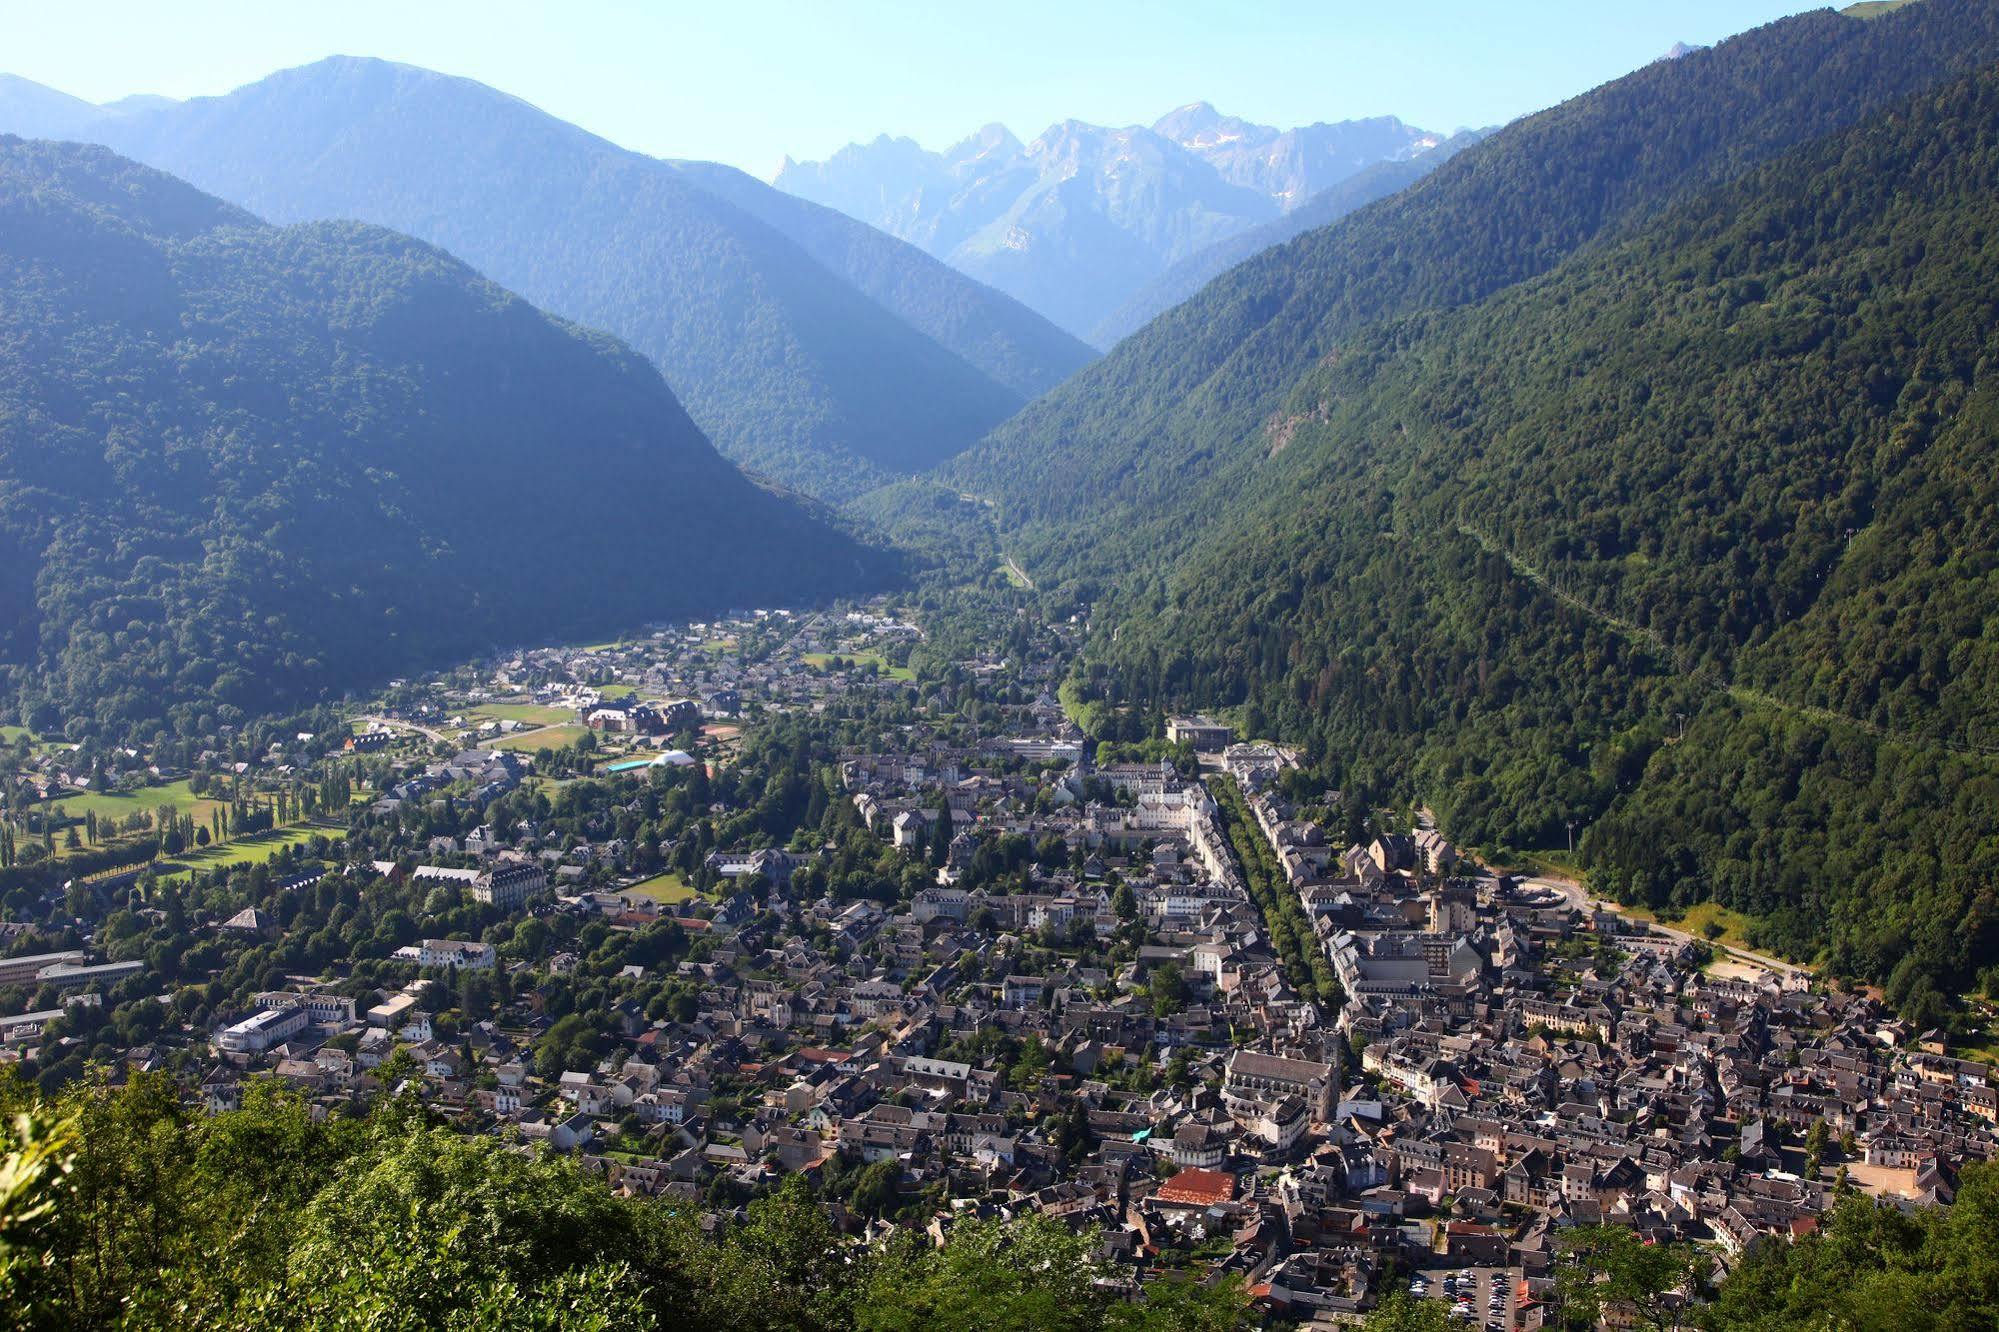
x,y
244,468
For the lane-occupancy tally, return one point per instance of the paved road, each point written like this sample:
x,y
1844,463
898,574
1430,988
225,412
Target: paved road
x,y
1579,897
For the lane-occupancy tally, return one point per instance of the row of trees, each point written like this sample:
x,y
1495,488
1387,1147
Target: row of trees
x,y
1290,929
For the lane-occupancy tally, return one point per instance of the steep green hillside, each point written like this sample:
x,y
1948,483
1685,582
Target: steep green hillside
x,y
1148,442
244,467
1737,474
994,332
827,378
1328,206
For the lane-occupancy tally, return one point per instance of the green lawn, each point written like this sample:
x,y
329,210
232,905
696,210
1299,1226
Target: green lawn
x,y
1734,925
1983,1047
820,660
666,889
533,713
253,850
548,737
9,734
1548,864
120,804
615,690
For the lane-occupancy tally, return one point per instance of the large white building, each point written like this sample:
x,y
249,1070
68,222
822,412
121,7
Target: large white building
x,y
451,954
321,1006
262,1029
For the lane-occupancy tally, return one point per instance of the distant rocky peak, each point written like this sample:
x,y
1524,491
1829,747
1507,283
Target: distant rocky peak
x,y
994,142
1198,126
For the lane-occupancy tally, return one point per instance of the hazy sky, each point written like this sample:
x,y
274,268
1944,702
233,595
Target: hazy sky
x,y
746,83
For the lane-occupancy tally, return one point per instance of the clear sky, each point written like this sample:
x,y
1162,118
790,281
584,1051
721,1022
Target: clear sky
x,y
745,82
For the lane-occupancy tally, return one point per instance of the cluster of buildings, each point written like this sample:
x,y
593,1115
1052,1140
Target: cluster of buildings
x,y
1108,1037
1082,1013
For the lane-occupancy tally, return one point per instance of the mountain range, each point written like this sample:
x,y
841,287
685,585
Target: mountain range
x,y
1074,223
245,467
1629,472
1181,280
808,346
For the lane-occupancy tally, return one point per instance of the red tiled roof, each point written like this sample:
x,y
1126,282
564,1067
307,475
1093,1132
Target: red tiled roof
x,y
814,1055
1201,1188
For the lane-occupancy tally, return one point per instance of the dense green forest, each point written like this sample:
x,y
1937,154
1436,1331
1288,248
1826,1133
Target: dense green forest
x,y
806,345
1684,541
243,467
1134,459
1736,471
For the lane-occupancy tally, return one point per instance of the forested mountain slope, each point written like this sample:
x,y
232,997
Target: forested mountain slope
x,y
243,466
1189,275
805,348
30,109
994,332
1147,442
1690,542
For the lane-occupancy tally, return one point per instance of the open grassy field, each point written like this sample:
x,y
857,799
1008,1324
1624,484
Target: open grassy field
x,y
1733,926
666,889
255,849
1546,864
120,804
548,737
9,734
252,850
532,713
820,660
1975,1035
616,690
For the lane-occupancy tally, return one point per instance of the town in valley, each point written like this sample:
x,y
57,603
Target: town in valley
x,y
813,895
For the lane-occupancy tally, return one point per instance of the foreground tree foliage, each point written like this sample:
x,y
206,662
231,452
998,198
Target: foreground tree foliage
x,y
125,1208
1877,1269
1871,1267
